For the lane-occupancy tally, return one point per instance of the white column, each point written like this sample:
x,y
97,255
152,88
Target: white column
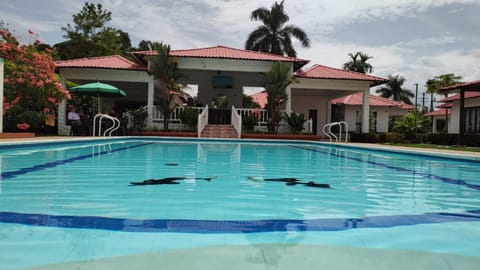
x,y
150,100
1,94
288,105
366,111
62,111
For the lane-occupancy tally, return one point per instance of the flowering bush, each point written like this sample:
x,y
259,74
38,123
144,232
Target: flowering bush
x,y
30,82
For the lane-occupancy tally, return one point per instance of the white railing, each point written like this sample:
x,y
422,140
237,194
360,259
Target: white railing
x,y
110,130
202,121
157,115
327,130
236,122
260,113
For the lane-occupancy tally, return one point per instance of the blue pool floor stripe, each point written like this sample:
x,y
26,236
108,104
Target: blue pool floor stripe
x,y
427,175
39,167
232,226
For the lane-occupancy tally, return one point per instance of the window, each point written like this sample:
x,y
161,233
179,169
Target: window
x,y
472,120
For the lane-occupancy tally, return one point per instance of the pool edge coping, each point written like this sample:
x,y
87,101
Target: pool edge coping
x,y
436,153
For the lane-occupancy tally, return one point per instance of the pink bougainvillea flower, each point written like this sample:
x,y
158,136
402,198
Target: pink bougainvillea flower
x,y
52,99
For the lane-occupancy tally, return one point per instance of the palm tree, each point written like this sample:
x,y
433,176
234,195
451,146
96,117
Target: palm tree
x,y
276,80
358,63
274,36
165,70
393,89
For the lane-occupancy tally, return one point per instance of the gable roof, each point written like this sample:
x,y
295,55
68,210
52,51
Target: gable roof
x,y
324,72
457,96
102,62
357,100
438,112
468,86
223,52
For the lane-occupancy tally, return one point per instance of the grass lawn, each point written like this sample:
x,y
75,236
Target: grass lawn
x,y
436,146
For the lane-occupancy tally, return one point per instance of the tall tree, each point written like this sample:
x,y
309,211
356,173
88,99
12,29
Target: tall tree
x,y
147,45
275,82
394,90
165,70
274,36
90,36
358,63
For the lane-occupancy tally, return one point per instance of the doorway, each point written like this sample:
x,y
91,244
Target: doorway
x,y
312,114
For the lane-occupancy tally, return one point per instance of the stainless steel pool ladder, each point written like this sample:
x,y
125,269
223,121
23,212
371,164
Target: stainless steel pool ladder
x,y
327,130
108,131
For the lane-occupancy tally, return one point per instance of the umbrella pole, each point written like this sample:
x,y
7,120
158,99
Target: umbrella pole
x,y
98,104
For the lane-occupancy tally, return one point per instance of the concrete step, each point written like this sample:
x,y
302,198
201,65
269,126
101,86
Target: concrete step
x,y
219,131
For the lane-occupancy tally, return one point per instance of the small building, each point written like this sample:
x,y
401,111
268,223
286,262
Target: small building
x,y
471,114
438,118
383,111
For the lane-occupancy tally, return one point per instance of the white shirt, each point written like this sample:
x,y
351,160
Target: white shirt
x,y
73,116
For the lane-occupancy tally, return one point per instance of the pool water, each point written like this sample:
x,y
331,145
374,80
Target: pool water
x,y
71,206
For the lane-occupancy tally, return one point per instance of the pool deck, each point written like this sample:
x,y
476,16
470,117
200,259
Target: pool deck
x,y
425,151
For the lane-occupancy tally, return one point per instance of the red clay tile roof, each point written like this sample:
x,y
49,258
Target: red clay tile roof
x,y
101,62
445,105
457,96
225,53
473,85
324,72
437,112
357,99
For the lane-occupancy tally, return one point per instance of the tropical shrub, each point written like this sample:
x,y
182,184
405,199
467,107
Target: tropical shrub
x,y
30,83
296,122
409,125
189,117
138,116
249,122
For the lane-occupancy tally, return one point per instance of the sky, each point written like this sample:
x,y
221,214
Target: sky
x,y
417,39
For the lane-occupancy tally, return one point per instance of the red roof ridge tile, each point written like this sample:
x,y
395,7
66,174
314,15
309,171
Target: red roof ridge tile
x,y
130,65
341,70
173,52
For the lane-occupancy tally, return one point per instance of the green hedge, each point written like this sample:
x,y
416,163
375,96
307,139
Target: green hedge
x,y
392,137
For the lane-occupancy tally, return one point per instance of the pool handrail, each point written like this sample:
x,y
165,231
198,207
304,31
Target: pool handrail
x,y
110,130
327,130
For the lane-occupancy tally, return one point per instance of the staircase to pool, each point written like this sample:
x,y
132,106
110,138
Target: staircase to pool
x,y
219,131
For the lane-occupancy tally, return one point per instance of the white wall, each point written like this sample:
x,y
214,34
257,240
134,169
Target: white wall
x,y
302,104
454,124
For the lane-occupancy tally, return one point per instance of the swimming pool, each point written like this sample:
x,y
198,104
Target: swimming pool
x,y
71,206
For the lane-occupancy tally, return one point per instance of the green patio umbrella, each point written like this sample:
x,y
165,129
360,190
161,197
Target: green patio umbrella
x,y
98,90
